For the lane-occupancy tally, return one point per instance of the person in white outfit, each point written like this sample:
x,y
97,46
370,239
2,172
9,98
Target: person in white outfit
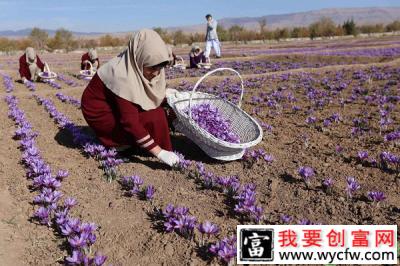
x,y
212,37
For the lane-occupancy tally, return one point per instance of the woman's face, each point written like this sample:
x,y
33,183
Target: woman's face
x,y
151,72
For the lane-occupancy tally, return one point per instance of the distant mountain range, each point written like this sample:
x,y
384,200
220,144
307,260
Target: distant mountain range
x,y
368,15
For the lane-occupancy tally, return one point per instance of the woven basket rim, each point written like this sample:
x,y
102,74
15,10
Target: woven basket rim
x,y
208,135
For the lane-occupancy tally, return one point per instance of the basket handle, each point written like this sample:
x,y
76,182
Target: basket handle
x,y
91,65
46,67
208,74
180,59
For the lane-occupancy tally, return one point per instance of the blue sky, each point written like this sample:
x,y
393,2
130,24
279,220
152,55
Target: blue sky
x,y
127,15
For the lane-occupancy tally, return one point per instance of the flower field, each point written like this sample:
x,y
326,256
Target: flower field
x,y
330,111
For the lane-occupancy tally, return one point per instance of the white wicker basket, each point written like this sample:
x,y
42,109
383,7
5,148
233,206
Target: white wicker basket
x,y
181,64
47,74
88,73
242,124
207,64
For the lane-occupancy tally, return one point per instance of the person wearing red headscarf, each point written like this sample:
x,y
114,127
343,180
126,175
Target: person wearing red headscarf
x,y
90,56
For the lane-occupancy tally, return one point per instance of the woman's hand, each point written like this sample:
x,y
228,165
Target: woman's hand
x,y
168,157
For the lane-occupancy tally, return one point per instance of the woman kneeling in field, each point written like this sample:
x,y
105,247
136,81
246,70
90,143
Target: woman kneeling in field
x,y
90,56
30,65
196,57
122,103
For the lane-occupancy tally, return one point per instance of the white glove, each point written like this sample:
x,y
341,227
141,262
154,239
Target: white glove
x,y
24,80
169,92
168,157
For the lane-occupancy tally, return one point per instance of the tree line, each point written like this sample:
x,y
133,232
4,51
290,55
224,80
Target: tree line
x,y
325,27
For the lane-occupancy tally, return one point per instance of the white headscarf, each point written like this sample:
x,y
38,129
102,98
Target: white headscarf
x,y
31,60
92,54
123,75
30,55
193,51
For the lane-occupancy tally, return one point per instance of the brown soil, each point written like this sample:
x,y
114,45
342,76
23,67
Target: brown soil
x,y
128,233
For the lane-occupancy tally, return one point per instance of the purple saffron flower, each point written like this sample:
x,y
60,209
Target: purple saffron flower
x,y
225,249
77,242
43,215
339,149
149,193
311,120
328,184
99,259
70,202
306,173
376,196
352,186
362,155
208,228
61,174
75,259
304,222
286,218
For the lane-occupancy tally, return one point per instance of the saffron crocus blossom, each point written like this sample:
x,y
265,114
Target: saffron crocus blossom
x,y
306,173
392,136
229,184
286,218
43,215
8,82
75,259
178,220
209,180
362,155
311,120
30,85
352,186
225,249
53,84
376,196
246,203
183,165
80,235
208,228
210,119
327,184
99,259
68,99
61,174
149,192
339,149
67,81
198,172
132,184
252,157
106,157
70,202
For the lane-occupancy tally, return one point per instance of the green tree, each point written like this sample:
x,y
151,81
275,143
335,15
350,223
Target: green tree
x,y
350,28
223,34
63,39
394,26
235,32
281,34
